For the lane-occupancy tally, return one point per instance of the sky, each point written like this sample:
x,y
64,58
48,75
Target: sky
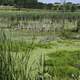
x,y
53,1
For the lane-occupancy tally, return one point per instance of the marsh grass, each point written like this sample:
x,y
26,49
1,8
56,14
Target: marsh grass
x,y
14,58
44,32
63,63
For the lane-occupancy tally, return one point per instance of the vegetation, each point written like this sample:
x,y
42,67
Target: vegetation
x,y
37,14
41,43
23,61
34,4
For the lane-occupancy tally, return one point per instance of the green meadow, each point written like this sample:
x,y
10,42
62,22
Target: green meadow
x,y
39,45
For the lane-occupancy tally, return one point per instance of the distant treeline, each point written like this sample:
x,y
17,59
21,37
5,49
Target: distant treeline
x,y
69,6
19,3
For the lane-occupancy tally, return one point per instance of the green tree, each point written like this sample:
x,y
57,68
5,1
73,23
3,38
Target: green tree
x,y
29,3
19,3
73,8
68,6
49,6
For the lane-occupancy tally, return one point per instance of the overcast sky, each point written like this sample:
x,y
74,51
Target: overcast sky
x,y
52,1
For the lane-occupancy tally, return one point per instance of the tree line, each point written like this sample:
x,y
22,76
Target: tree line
x,y
69,6
19,3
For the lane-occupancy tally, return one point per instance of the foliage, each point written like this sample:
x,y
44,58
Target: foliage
x,y
69,6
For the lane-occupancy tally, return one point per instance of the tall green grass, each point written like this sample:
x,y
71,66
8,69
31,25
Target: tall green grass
x,y
14,58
